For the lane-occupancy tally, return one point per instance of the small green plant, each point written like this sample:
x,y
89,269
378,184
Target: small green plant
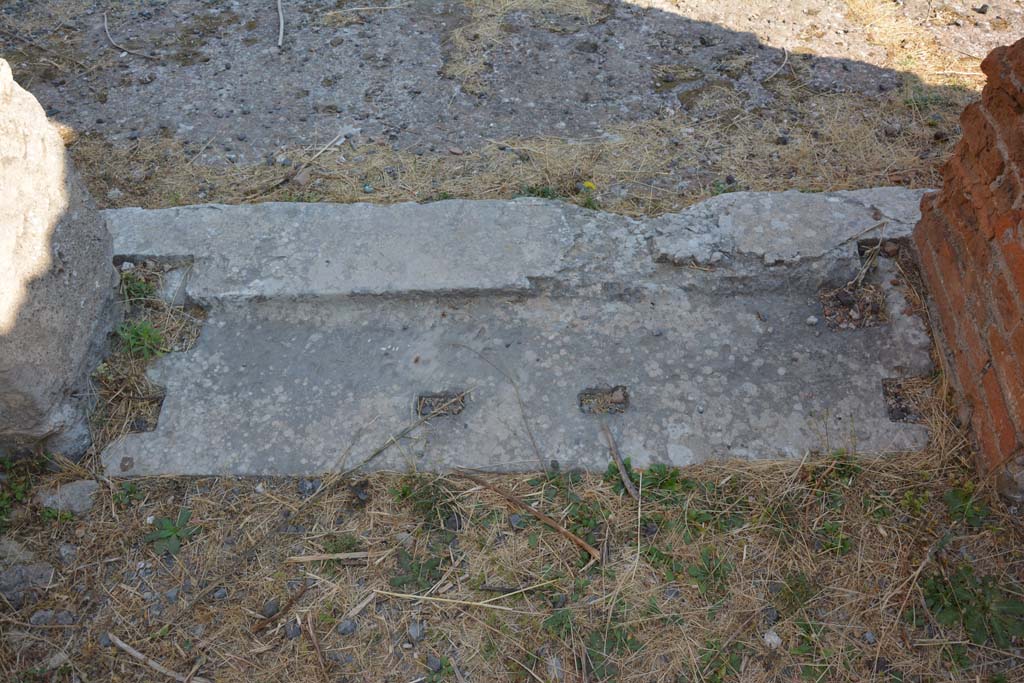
x,y
134,288
914,501
171,534
127,494
142,339
718,664
832,538
542,191
796,591
55,515
587,190
673,568
15,486
723,187
814,656
603,645
559,624
343,543
428,495
984,609
710,574
445,673
415,575
962,505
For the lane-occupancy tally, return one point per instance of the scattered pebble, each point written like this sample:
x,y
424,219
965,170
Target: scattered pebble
x,y
347,627
812,320
292,630
308,487
114,194
556,672
771,615
220,593
870,638
417,629
772,640
270,608
434,663
67,552
104,640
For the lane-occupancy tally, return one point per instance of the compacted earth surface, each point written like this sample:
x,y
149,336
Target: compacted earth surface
x,y
837,566
636,106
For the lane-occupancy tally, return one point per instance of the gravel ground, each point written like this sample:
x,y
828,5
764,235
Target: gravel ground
x,y
211,73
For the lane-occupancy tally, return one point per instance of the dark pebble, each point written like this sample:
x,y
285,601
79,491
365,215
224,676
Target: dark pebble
x,y
347,627
292,630
771,615
220,593
308,487
434,663
104,640
271,607
41,617
453,523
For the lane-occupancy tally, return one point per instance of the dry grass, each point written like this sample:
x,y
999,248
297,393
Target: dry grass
x,y
839,547
127,401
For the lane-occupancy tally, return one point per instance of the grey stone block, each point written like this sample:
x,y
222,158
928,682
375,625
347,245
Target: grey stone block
x,y
57,298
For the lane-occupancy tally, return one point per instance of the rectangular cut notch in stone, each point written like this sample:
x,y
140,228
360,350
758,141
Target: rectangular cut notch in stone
x,y
440,404
604,400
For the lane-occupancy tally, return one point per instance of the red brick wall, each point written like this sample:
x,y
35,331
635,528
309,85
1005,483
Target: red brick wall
x,y
971,243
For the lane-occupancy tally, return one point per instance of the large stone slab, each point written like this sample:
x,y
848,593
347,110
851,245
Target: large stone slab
x,y
57,283
278,388
306,251
789,235
329,327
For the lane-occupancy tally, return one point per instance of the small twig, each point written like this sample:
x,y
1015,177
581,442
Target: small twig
x,y
623,474
518,502
280,24
106,29
781,66
290,176
450,601
152,663
357,610
295,559
263,623
316,646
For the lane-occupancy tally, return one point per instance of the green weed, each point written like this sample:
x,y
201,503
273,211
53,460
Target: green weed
x,y
415,575
711,573
962,506
171,534
983,608
142,339
135,288
127,494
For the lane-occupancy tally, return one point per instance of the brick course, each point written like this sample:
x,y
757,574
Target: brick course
x,y
971,244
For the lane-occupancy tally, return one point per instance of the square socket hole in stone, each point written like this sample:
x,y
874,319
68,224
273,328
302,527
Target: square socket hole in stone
x,y
440,404
604,400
